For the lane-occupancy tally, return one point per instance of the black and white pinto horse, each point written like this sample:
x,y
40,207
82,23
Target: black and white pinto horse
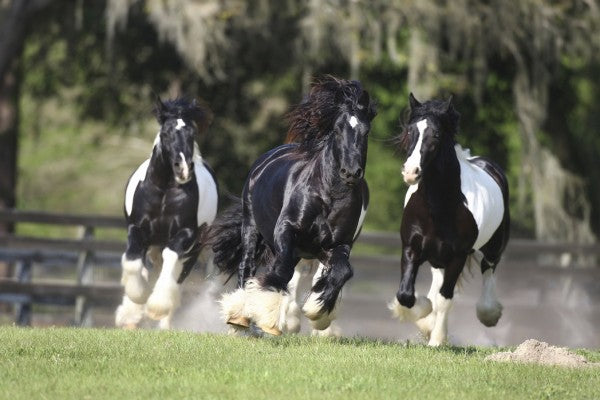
x,y
170,200
303,200
456,212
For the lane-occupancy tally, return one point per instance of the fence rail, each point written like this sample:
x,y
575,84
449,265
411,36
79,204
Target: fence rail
x,y
85,253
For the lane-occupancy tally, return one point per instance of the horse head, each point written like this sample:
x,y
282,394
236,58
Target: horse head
x,y
180,124
350,138
430,132
337,115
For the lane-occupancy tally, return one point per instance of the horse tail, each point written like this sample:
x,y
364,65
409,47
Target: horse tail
x,y
225,238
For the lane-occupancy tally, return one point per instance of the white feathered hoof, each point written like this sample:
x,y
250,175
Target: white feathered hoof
x,y
162,302
322,323
332,331
489,313
292,318
137,289
232,309
420,309
313,307
267,308
136,286
128,315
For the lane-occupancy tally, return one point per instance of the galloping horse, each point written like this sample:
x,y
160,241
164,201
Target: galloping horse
x,y
456,211
301,200
169,201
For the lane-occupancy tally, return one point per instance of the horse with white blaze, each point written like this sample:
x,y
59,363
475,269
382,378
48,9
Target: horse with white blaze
x,y
302,200
170,200
455,213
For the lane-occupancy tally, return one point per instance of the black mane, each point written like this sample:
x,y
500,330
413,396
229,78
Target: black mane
x,y
312,120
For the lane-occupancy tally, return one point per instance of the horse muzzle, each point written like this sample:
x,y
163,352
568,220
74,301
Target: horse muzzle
x,y
350,177
411,175
183,172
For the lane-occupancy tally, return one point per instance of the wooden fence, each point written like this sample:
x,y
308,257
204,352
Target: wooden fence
x,y
86,253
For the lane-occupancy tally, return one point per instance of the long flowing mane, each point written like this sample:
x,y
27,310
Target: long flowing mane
x,y
184,109
312,120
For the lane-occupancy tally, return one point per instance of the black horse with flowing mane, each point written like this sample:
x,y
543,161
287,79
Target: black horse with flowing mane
x,y
169,201
456,212
301,200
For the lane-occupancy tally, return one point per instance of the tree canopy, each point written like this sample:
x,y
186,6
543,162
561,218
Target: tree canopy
x,y
522,75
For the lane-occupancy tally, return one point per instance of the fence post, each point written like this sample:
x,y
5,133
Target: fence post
x,y
23,308
85,276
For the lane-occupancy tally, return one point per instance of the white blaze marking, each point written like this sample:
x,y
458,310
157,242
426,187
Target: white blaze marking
x,y
185,172
180,124
353,121
414,160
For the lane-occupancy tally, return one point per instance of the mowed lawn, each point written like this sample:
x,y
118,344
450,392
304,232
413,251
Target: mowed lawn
x,y
70,363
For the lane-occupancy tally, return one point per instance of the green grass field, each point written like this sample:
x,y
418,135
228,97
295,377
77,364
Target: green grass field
x,y
70,363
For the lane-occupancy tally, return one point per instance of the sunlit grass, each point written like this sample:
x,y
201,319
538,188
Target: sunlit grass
x,y
88,363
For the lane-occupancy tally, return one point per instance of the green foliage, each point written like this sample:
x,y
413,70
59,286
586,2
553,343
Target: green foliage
x,y
90,363
86,123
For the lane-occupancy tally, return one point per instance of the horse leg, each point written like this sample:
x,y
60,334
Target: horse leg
x,y
166,295
407,306
323,326
443,300
136,286
489,309
292,314
267,298
129,314
333,272
427,323
233,304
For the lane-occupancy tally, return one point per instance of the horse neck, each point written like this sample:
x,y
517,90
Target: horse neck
x,y
159,170
442,185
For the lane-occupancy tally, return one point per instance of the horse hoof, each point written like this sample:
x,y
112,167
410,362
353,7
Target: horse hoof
x,y
157,313
239,321
271,330
313,307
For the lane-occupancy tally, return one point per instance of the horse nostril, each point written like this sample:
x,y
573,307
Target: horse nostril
x,y
418,171
343,170
358,173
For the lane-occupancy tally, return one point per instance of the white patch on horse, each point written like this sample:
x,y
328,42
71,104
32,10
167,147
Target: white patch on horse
x,y
353,121
185,172
207,190
180,124
156,141
166,296
439,333
483,197
414,159
363,213
138,176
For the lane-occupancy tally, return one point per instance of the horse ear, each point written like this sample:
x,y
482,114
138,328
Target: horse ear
x,y
414,103
364,99
448,104
159,108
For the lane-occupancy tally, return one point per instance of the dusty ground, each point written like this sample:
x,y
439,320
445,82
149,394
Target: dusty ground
x,y
533,351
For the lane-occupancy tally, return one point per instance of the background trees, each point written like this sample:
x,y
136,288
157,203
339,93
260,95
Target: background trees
x,y
523,77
